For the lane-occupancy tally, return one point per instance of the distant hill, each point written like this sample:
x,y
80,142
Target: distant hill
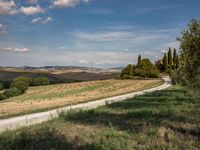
x,y
58,74
8,76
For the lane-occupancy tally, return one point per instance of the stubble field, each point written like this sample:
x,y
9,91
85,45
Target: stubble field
x,y
53,96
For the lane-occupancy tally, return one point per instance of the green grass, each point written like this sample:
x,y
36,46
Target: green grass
x,y
161,120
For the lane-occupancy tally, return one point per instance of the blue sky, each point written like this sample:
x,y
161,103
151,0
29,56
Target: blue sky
x,y
98,33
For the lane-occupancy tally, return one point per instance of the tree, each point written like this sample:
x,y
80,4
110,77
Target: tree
x,y
146,64
189,59
24,79
12,92
1,86
139,61
170,62
174,59
20,85
40,81
127,71
165,62
177,61
147,69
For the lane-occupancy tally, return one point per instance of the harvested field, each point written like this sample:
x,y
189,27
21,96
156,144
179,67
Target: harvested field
x,y
53,96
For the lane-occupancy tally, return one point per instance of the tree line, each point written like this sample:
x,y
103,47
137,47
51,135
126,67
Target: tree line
x,y
169,62
20,85
143,68
188,72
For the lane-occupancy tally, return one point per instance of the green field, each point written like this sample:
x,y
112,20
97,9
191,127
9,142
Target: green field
x,y
162,120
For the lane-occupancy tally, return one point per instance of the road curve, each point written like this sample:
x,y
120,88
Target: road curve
x,y
30,119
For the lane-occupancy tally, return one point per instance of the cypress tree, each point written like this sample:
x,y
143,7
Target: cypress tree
x,y
170,58
174,59
177,61
165,62
139,61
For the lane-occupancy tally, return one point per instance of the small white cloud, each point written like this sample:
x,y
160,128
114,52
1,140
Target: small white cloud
x,y
31,10
67,3
20,50
40,20
126,50
8,7
36,20
2,29
49,19
62,47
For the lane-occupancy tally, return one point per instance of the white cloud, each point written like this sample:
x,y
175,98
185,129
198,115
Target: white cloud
x,y
20,50
49,19
31,10
67,3
117,36
32,1
126,50
2,29
40,20
8,7
36,20
62,48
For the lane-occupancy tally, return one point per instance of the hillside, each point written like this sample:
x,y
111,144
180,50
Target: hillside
x,y
57,95
8,76
58,74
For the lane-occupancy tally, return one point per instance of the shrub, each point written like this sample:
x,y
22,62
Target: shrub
x,y
12,92
24,79
127,77
2,96
40,81
153,73
20,85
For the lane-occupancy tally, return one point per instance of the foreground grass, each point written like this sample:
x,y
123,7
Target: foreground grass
x,y
43,98
161,120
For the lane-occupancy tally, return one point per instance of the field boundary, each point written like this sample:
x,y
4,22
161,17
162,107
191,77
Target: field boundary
x,y
30,119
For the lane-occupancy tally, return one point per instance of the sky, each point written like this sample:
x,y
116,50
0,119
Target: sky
x,y
94,33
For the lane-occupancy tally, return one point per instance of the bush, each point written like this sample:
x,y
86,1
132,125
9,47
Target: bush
x,y
153,73
2,96
40,81
12,92
24,79
20,85
127,77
